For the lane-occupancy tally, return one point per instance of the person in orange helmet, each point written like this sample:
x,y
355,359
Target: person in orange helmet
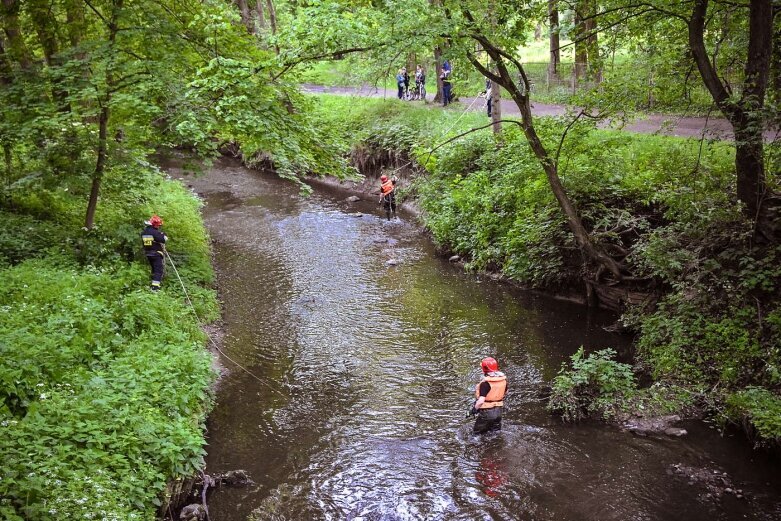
x,y
154,240
388,194
489,397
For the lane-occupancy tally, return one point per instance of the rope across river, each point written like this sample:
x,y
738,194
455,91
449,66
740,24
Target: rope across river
x,y
213,342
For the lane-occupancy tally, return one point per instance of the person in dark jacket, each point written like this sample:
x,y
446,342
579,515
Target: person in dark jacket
x,y
446,86
154,248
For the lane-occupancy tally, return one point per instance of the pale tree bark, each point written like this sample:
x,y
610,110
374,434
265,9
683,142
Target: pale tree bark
x,y
261,14
496,107
581,50
555,52
745,114
272,15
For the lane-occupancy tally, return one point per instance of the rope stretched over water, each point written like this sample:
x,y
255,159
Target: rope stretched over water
x,y
213,342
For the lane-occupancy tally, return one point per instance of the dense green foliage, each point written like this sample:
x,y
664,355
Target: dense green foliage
x,y
595,385
103,384
715,330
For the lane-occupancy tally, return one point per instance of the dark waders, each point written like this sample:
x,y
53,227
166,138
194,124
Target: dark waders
x,y
488,420
389,202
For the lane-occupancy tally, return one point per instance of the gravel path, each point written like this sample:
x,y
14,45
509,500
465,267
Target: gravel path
x,y
664,124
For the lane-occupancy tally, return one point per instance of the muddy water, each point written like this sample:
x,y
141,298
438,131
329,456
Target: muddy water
x,y
368,371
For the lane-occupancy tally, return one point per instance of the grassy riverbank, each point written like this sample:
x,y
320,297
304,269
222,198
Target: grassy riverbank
x,y
710,333
104,384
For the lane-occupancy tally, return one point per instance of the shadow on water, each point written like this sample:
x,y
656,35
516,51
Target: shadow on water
x,y
373,366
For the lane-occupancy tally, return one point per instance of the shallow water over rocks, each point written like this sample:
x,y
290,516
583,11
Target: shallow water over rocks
x,y
369,369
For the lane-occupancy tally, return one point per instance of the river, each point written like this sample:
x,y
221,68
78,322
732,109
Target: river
x,y
368,371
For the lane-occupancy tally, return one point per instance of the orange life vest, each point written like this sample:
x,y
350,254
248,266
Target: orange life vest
x,y
495,397
387,187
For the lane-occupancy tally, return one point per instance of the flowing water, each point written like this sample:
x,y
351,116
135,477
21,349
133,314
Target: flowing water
x,y
368,371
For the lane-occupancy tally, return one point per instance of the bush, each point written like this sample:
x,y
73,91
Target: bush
x,y
759,411
596,385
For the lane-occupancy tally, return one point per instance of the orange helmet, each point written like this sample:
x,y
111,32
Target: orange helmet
x,y
383,178
156,221
489,365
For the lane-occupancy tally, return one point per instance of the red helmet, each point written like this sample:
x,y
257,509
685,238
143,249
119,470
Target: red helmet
x,y
489,365
383,178
156,221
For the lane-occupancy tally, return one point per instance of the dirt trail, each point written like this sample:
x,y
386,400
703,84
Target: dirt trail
x,y
663,124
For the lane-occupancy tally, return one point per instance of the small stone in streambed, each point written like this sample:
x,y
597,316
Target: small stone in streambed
x,y
194,512
235,478
454,258
391,262
353,199
355,214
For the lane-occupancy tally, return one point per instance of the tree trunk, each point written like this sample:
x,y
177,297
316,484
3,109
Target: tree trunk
x,y
538,32
775,67
103,118
74,13
496,107
272,15
745,115
42,18
438,68
592,44
555,53
520,95
17,50
581,51
245,17
261,16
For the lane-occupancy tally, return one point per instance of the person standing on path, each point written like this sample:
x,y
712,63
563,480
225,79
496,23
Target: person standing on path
x,y
446,85
154,248
400,83
406,83
420,83
488,85
388,197
489,397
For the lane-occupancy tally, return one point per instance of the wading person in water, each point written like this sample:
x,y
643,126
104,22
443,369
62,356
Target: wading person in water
x,y
154,248
489,398
388,197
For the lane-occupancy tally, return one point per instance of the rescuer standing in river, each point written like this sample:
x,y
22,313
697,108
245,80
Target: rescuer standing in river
x,y
388,197
154,249
489,397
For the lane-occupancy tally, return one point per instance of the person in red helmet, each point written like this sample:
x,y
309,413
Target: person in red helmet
x,y
388,194
489,397
154,248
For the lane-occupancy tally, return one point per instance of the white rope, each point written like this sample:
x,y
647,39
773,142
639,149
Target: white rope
x,y
214,344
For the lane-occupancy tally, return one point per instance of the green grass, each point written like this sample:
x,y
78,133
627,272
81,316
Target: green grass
x,y
104,385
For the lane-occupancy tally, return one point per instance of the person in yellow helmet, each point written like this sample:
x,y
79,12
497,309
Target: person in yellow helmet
x,y
489,397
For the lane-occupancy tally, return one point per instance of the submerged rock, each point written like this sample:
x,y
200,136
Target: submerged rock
x,y
194,512
355,214
353,199
659,425
392,262
455,258
235,478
